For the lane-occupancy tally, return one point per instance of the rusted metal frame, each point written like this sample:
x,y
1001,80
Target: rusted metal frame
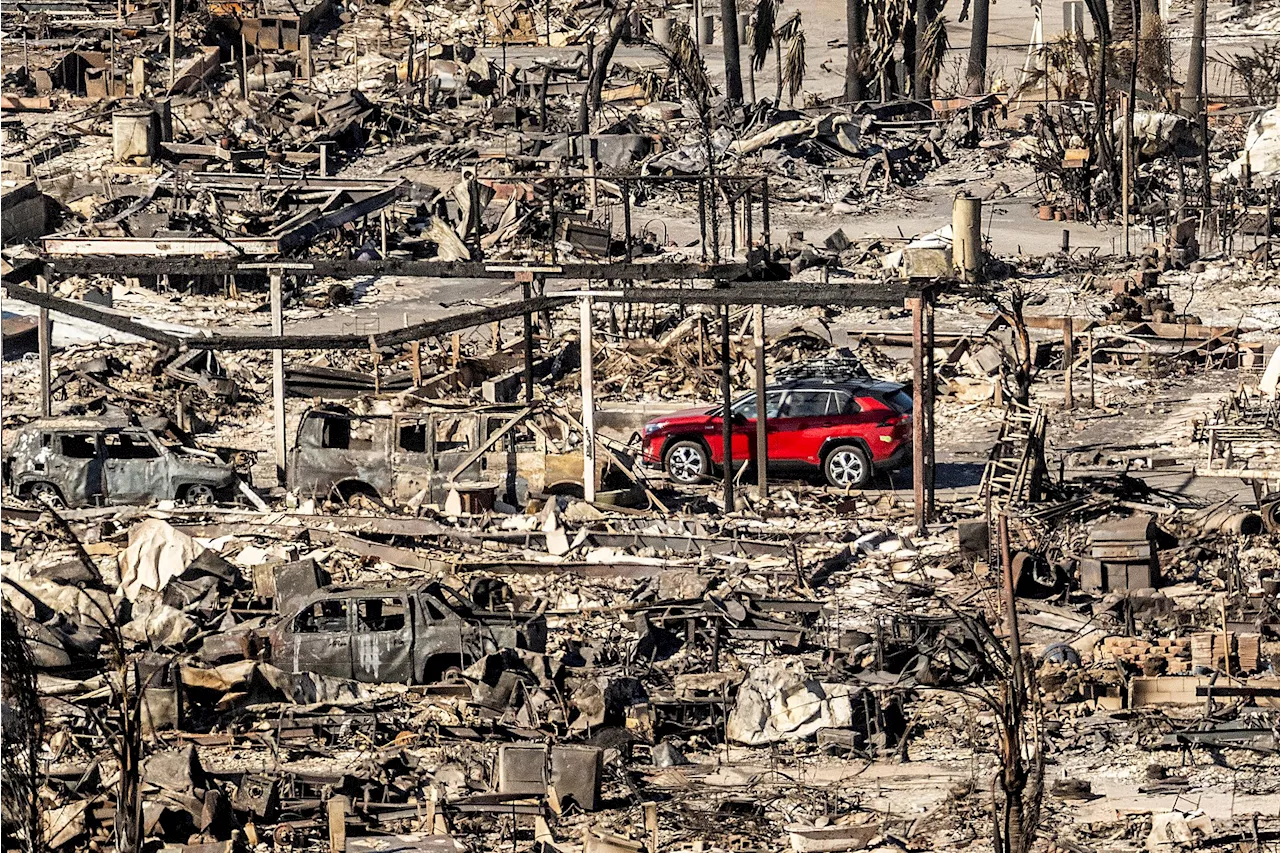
x,y
873,294
407,334
192,266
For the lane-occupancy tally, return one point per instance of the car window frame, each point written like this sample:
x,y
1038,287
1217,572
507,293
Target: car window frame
x,y
824,391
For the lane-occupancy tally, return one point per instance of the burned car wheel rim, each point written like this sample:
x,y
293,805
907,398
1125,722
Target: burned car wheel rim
x,y
846,467
199,494
685,464
43,493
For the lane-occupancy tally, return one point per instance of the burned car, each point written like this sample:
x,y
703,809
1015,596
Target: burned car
x,y
395,457
86,460
417,634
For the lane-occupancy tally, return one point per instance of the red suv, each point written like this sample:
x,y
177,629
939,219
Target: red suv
x,y
847,428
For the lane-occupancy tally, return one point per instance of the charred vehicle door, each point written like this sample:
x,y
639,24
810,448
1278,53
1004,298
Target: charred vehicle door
x,y
336,451
382,644
317,639
517,462
454,437
452,623
134,467
411,461
72,461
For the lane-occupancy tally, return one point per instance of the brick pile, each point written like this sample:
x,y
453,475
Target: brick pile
x,y
1176,652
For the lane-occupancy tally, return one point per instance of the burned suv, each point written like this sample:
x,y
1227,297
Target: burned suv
x,y
847,428
84,460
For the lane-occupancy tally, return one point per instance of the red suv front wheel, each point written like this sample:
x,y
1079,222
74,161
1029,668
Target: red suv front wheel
x,y
688,462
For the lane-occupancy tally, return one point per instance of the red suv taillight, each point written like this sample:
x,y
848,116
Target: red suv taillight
x,y
895,420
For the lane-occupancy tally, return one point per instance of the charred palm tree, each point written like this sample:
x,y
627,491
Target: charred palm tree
x,y
685,61
766,35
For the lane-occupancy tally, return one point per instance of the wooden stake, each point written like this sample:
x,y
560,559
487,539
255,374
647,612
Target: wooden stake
x,y
337,813
457,350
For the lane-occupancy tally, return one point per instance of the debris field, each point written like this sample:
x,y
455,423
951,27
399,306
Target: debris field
x,y
637,427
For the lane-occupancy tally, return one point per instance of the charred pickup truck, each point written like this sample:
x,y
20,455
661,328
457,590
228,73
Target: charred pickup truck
x,y
115,459
418,634
340,454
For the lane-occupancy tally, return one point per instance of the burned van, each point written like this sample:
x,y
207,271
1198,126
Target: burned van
x,y
339,454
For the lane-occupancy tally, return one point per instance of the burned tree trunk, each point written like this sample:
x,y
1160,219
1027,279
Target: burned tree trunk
x,y
600,70
922,75
732,59
856,28
977,70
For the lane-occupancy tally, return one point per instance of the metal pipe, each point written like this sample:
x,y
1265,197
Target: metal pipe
x,y
917,410
726,417
762,410
588,403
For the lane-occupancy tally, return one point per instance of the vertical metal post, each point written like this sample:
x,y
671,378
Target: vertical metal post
x,y
930,393
702,217
1126,170
277,374
749,225
733,227
473,191
44,344
762,415
1093,402
173,43
555,224
726,419
526,288
588,404
1068,356
917,407
764,213
626,218
1010,603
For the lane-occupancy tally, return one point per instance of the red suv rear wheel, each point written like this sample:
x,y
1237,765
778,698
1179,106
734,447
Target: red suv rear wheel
x,y
847,466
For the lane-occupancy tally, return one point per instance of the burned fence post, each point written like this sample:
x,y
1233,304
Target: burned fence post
x,y
588,404
44,346
762,427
